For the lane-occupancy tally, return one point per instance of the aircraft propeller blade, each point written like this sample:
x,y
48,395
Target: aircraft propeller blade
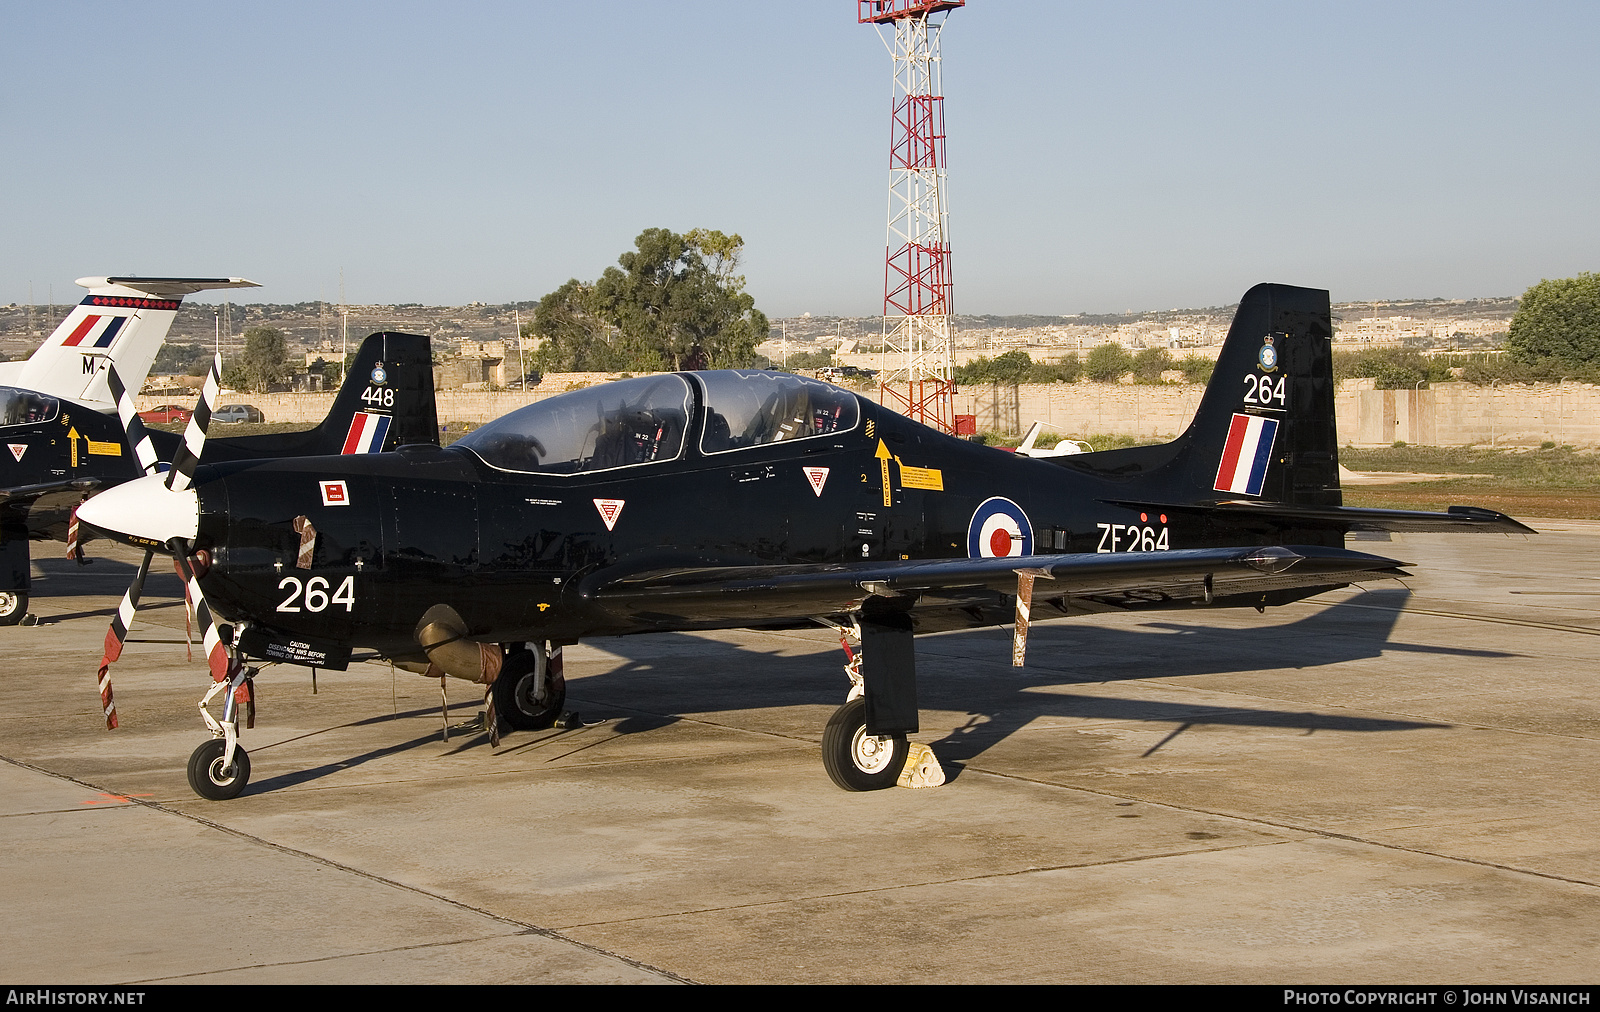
x,y
194,436
138,436
74,548
218,658
117,635
178,479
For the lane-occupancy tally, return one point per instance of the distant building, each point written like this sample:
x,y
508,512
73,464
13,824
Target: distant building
x,y
469,372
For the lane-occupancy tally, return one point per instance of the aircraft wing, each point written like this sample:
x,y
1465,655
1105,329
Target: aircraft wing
x,y
765,593
45,509
1274,515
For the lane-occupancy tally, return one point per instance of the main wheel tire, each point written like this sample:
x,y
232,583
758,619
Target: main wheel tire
x,y
13,605
856,760
513,694
207,776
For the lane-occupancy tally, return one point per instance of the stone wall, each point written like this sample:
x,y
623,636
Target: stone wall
x,y
1459,414
1450,414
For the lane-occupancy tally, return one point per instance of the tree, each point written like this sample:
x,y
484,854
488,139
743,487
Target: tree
x,y
1066,369
1197,368
575,339
1108,363
1018,366
1558,320
332,372
1150,363
675,303
1391,368
800,361
265,360
176,359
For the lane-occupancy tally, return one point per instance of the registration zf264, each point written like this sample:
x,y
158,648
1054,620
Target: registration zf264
x,y
1132,538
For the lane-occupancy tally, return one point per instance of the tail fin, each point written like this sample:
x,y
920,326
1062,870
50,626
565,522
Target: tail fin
x,y
386,401
1262,454
1264,431
1265,425
122,320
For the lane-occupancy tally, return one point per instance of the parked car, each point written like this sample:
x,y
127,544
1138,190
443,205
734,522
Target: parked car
x,y
847,373
167,413
238,413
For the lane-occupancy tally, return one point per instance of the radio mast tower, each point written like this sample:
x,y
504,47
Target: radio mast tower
x,y
916,283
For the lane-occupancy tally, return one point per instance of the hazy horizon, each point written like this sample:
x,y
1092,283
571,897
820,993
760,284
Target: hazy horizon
x,y
1100,158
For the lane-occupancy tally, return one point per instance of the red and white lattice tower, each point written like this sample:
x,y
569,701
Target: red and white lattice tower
x,y
916,287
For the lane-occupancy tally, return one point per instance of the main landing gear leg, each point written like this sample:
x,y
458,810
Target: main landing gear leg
x,y
864,745
219,768
531,688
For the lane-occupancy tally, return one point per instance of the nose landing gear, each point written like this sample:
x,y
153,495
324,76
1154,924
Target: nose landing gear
x,y
219,769
212,777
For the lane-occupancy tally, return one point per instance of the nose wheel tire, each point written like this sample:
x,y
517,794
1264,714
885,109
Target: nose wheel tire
x,y
209,779
514,700
856,760
13,605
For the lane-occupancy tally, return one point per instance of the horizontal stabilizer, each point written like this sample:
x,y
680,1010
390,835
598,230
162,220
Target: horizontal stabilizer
x,y
1345,518
165,288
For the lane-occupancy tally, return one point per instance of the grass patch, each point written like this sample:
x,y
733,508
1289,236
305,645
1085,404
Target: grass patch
x,y
1566,504
1553,481
1559,467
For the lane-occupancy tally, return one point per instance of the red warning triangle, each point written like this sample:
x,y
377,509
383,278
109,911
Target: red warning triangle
x,y
818,477
609,509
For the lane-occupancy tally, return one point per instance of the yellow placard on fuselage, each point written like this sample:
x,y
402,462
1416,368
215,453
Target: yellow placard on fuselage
x,y
930,478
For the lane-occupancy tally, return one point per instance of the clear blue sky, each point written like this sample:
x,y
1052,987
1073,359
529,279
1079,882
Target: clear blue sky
x,y
1102,157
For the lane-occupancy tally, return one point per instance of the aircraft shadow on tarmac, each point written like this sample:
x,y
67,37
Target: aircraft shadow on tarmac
x,y
464,734
970,671
57,580
661,676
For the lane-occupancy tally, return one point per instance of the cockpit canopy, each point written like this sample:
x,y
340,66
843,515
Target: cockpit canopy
x,y
746,408
633,421
25,407
646,420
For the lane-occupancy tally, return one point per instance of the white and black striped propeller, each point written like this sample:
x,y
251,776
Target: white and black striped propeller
x,y
157,510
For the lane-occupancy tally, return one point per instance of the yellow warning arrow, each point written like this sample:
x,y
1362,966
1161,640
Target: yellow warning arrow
x,y
883,456
72,437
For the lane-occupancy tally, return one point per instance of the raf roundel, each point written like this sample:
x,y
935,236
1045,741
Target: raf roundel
x,y
999,529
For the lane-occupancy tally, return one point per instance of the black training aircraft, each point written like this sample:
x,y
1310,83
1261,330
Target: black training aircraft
x,y
62,451
729,499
